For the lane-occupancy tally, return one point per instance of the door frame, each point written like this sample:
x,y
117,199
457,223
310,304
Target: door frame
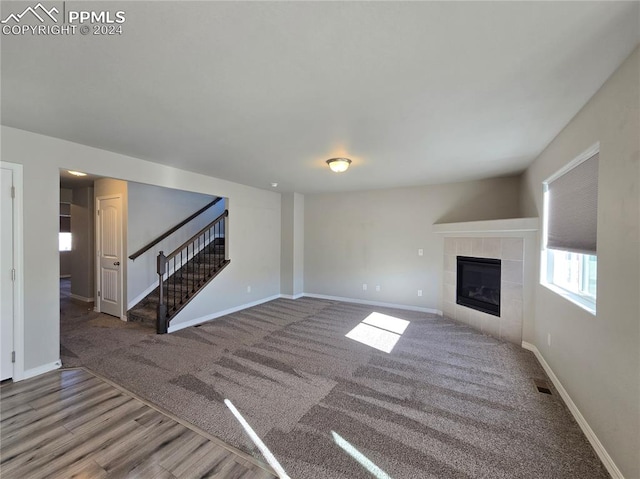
x,y
123,263
18,265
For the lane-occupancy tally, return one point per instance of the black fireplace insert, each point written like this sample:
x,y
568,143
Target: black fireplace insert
x,y
478,284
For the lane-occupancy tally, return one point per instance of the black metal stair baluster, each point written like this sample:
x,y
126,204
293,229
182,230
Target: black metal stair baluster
x,y
187,266
191,268
221,236
168,300
216,254
195,268
199,260
161,317
175,284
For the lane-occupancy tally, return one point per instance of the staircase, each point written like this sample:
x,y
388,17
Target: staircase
x,y
183,274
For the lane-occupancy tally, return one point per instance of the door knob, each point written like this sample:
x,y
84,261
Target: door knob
x,y
116,263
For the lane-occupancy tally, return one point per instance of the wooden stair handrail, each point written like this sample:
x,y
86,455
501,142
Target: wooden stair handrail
x,y
195,236
167,233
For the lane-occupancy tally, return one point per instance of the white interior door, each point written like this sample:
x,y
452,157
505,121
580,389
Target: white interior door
x,y
6,276
110,255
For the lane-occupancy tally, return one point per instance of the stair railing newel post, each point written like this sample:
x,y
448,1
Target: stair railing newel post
x,y
161,322
225,255
196,262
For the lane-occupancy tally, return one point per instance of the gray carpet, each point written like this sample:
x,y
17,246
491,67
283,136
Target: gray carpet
x,y
447,402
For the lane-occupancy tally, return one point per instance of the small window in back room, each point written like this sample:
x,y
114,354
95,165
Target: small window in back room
x,y
64,236
569,256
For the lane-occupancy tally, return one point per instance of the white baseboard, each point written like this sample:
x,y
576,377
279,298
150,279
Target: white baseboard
x,y
584,425
81,298
45,368
209,317
373,303
289,296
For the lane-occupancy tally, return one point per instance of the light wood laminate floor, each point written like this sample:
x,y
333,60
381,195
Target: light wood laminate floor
x,y
73,424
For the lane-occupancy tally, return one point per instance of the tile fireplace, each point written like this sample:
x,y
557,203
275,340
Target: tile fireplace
x,y
488,274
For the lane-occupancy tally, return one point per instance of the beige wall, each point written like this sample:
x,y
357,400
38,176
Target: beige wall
x,y
373,237
597,358
254,237
153,210
292,247
65,263
83,234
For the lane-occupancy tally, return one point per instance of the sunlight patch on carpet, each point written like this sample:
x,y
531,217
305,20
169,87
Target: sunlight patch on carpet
x,y
379,331
364,461
273,462
384,321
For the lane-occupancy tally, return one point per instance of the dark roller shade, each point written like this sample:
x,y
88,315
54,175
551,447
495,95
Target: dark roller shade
x,y
573,209
65,224
65,209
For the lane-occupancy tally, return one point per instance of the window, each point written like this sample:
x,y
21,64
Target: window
x,y
64,241
569,256
64,236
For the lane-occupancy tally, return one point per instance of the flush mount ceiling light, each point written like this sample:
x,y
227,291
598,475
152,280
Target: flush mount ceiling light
x,y
339,165
77,173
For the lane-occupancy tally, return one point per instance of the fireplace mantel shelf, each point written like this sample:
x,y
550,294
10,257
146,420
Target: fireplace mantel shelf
x,y
512,225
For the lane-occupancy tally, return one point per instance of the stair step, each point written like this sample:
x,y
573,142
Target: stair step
x,y
180,287
143,315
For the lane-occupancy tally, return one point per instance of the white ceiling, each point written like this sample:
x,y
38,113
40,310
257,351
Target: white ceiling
x,y
260,92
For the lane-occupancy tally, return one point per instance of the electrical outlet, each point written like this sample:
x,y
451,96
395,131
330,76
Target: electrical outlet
x,y
549,339
420,252
419,292
377,287
248,289
364,286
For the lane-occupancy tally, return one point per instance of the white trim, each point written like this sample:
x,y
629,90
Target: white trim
x,y
584,303
64,276
512,225
587,304
289,296
209,317
581,158
45,368
18,264
81,298
373,303
582,422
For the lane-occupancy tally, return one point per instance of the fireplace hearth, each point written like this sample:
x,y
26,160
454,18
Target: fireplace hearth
x,y
478,284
